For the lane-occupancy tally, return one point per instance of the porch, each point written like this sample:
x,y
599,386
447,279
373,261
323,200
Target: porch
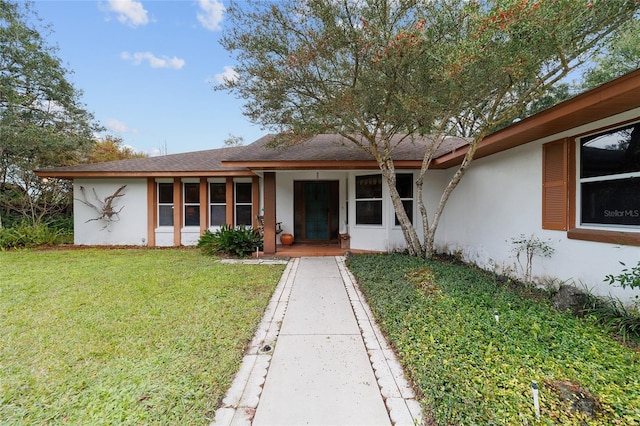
x,y
314,250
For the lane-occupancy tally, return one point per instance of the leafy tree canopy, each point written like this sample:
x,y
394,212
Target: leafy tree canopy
x,y
42,121
622,56
373,69
111,148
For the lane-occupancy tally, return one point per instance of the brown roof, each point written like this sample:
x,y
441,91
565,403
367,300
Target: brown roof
x,y
333,151
198,163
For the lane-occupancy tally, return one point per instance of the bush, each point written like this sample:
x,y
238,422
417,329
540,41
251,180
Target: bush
x,y
615,316
28,235
239,241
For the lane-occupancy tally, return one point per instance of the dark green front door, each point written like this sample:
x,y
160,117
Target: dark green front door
x,y
316,212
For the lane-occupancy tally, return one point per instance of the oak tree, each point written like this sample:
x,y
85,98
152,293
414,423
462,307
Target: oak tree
x,y
42,120
379,71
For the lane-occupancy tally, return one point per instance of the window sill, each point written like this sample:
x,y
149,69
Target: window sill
x,y
611,237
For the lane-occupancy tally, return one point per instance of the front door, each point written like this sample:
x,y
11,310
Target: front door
x,y
316,211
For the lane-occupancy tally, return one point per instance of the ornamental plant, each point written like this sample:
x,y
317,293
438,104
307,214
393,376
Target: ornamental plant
x,y
628,277
239,241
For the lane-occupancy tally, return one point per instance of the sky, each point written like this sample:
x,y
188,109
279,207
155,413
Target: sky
x,y
147,70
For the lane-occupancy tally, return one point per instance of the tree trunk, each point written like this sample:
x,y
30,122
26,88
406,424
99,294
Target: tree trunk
x,y
410,235
430,230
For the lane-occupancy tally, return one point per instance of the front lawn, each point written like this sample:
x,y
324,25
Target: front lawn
x,y
472,369
123,336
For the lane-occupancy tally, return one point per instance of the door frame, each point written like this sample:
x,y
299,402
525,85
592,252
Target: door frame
x,y
299,210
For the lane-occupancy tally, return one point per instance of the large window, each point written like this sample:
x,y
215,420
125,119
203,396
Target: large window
x,y
217,203
165,204
243,205
404,185
369,200
609,178
191,204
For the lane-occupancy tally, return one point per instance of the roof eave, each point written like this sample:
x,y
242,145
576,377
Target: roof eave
x,y
615,97
318,165
70,175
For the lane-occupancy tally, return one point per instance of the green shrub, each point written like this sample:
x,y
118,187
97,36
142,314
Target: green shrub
x,y
629,277
239,241
28,235
614,315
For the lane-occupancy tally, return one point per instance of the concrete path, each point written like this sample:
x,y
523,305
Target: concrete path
x,y
330,366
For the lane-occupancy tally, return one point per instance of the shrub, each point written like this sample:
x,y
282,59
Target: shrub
x,y
28,235
614,315
239,241
629,277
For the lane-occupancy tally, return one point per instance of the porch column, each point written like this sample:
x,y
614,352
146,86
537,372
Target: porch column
x,y
269,213
152,208
177,212
230,199
204,205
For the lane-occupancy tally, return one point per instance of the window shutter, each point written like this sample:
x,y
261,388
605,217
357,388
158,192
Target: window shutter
x,y
554,185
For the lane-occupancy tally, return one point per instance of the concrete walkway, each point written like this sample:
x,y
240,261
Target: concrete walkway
x,y
318,358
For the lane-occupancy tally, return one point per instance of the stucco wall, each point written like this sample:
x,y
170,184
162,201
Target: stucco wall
x,y
130,229
500,198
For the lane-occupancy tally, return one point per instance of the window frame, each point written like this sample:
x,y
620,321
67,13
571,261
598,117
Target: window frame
x,y
369,200
161,204
569,184
237,203
190,204
604,177
411,211
217,203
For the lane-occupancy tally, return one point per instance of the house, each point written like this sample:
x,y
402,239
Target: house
x,y
568,176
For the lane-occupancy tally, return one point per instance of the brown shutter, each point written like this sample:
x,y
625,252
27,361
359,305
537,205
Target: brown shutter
x,y
554,185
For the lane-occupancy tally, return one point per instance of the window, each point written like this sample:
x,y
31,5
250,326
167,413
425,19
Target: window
x,y
165,204
404,185
217,204
243,205
369,200
191,204
609,179
591,186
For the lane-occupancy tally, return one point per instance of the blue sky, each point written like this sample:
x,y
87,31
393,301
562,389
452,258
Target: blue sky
x,y
147,70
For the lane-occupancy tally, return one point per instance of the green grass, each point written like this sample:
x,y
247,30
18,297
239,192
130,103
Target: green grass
x,y
470,369
123,336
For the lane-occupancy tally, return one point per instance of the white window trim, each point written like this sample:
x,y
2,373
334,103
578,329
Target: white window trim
x,y
185,204
381,199
158,182
580,181
236,203
211,204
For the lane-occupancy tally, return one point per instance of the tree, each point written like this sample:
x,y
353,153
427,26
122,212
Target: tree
x,y
111,148
622,56
234,140
373,69
42,121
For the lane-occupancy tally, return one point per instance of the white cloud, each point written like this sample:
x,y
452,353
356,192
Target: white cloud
x,y
118,126
155,62
130,12
210,15
228,74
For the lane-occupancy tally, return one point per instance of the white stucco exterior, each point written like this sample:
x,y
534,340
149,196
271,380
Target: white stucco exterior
x,y
131,226
500,198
